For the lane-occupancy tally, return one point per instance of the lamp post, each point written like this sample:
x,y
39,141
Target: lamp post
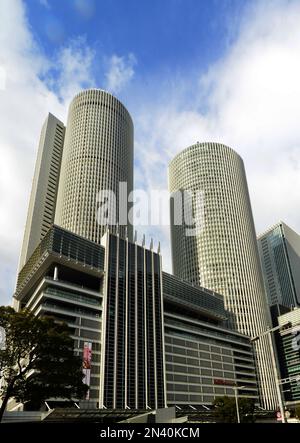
x,y
274,366
236,388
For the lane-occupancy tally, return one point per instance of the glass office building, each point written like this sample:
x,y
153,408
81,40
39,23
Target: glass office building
x,y
279,250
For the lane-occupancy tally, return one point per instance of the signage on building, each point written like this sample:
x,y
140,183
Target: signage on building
x,y
222,381
87,358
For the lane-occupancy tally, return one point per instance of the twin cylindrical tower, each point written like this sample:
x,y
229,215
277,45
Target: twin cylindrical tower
x,y
223,255
97,157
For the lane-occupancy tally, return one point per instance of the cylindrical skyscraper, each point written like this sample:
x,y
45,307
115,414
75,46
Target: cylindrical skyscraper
x,y
223,255
97,156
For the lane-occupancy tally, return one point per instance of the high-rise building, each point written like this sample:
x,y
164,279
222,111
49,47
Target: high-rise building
x,y
279,250
41,210
223,255
97,156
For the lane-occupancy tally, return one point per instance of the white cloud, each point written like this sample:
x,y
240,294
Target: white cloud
x,y
251,97
24,105
45,3
2,78
120,72
85,8
255,107
72,67
252,102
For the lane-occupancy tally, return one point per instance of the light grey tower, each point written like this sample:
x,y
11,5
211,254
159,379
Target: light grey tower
x,y
223,256
279,250
98,155
41,210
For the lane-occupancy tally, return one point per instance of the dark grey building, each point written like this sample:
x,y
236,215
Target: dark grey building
x,y
117,301
132,365
64,279
111,298
204,359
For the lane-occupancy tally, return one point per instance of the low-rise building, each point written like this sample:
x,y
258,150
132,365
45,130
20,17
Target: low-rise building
x,y
152,338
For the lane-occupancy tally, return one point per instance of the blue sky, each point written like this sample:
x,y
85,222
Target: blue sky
x,y
187,70
166,35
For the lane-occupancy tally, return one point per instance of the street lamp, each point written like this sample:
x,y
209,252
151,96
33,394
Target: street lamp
x,y
274,366
236,388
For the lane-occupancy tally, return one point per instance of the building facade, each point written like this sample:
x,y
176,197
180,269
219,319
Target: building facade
x,y
97,156
154,339
64,279
223,255
132,364
111,298
41,210
204,359
289,355
279,250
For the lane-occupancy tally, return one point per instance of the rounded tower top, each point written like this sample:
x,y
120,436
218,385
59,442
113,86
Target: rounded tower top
x,y
97,156
97,93
213,146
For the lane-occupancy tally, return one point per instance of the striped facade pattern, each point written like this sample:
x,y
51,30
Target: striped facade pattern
x,y
223,257
277,252
80,308
204,361
132,359
42,203
98,154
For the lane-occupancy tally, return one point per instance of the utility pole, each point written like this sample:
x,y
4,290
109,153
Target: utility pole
x,y
274,367
236,388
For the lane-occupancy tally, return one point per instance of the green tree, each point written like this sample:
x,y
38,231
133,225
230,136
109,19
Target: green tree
x,y
225,409
38,360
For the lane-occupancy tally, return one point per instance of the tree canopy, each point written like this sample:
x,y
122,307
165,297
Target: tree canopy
x,y
225,409
37,361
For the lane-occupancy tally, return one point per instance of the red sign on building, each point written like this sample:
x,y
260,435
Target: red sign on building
x,y
223,382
